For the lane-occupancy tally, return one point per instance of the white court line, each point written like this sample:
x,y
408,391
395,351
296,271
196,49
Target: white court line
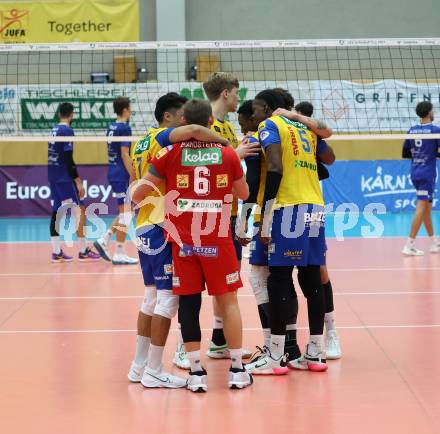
x,y
246,329
125,273
129,297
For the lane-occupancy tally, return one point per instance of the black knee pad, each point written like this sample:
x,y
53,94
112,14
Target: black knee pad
x,y
309,280
189,312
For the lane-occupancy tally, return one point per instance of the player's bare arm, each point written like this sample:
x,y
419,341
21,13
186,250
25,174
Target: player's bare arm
x,y
141,188
240,189
328,156
197,132
319,127
273,180
128,164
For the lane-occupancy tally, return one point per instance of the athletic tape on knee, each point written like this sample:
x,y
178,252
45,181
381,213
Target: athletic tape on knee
x,y
149,301
167,303
258,281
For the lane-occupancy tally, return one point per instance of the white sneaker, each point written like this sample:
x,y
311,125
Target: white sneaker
x,y
412,251
180,359
197,382
135,374
315,362
435,247
102,249
161,378
300,364
222,352
123,259
333,348
267,365
239,378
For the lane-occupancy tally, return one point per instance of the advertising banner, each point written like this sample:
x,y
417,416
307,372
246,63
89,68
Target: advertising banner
x,y
69,21
386,182
25,191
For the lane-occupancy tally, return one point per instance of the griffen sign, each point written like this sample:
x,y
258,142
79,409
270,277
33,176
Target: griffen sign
x,y
69,21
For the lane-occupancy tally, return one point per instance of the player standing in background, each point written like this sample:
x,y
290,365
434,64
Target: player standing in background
x,y
120,171
160,304
204,174
221,88
423,154
297,230
66,188
332,345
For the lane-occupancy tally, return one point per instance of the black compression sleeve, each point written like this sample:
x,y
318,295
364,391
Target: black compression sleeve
x,y
71,166
273,181
406,153
253,179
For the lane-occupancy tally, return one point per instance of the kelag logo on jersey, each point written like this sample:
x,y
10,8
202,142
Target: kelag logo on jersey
x,y
201,157
142,145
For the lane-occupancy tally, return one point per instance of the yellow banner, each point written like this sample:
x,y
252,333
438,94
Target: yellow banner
x,y
69,21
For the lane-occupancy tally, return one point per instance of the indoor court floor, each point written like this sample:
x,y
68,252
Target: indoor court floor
x,y
67,335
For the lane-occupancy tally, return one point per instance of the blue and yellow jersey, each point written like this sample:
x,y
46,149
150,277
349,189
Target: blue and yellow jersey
x,y
227,131
263,171
299,146
142,154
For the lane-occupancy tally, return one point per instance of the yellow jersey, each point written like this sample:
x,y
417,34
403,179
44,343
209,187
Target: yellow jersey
x,y
142,154
300,183
227,131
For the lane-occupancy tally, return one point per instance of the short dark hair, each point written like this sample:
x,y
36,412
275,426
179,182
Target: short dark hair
x,y
218,82
423,108
287,96
170,102
197,111
121,103
272,98
305,108
246,109
65,109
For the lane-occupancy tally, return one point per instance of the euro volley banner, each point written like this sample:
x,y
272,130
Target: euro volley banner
x,y
382,106
69,21
25,191
361,183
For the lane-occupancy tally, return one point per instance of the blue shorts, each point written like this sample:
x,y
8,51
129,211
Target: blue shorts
x,y
424,188
237,246
155,257
119,190
63,192
258,250
298,236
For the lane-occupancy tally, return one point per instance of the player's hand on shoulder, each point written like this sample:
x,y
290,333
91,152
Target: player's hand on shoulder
x,y
286,113
248,149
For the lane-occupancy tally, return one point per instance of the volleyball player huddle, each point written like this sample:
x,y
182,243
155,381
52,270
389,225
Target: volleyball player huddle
x,y
189,178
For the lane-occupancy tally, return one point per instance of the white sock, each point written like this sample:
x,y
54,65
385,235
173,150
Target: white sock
x,y
142,346
218,323
82,244
434,240
277,345
56,244
120,248
410,242
236,358
107,236
194,360
266,334
155,357
315,345
329,320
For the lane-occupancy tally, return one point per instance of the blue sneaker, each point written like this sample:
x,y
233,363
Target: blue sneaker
x,y
88,255
61,257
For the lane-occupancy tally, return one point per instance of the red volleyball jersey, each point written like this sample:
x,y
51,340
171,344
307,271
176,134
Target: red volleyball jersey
x,y
199,178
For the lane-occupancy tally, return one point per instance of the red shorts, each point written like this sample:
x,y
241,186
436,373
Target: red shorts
x,y
215,266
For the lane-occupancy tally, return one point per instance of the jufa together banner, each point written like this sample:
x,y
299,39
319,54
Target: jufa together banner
x,y
69,21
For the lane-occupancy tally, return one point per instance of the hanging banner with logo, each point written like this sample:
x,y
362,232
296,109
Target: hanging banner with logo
x,y
383,106
69,21
386,182
25,191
